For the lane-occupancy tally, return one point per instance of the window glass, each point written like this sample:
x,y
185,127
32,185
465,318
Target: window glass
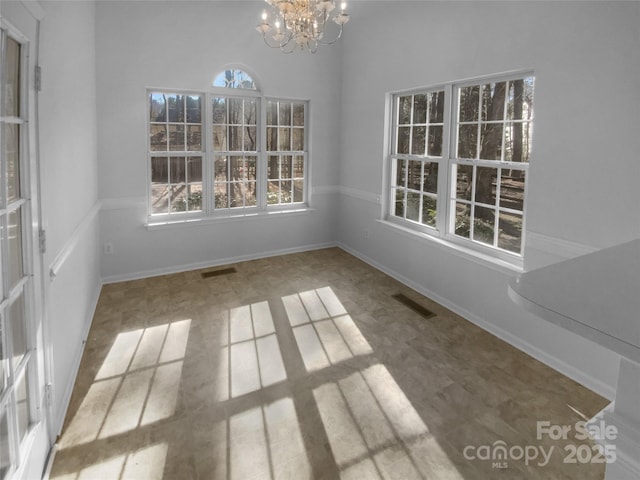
x,y
5,453
12,78
415,157
182,171
22,407
494,130
15,262
235,177
18,327
234,78
176,147
3,369
286,140
12,159
491,130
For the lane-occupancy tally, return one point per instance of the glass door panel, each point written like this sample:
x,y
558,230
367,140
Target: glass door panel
x,y
5,457
14,241
12,153
22,407
18,334
18,362
3,357
12,78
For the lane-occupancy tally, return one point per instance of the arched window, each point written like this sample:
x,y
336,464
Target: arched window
x,y
254,156
235,78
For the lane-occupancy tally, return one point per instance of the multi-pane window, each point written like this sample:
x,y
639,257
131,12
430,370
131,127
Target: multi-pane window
x,y
484,152
286,152
416,155
229,151
493,147
176,150
235,144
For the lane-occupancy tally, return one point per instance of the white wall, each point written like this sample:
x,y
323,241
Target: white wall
x,y
92,132
585,58
584,170
68,158
185,45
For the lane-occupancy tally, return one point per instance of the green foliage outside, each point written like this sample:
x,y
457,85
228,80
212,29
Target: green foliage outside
x,y
194,203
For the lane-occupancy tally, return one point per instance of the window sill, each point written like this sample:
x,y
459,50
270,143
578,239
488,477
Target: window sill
x,y
226,218
462,251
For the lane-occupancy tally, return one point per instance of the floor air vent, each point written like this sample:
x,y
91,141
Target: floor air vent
x,y
217,273
416,307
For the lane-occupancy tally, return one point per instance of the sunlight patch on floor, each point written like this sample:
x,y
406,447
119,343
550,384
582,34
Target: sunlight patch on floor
x,y
325,333
250,358
374,431
266,442
137,384
147,462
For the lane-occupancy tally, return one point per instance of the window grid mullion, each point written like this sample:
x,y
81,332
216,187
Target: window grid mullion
x,y
443,202
411,127
404,201
479,126
393,167
427,131
185,124
472,210
262,156
208,156
505,108
228,182
496,210
421,198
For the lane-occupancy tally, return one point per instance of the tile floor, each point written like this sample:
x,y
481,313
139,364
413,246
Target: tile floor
x,y
303,366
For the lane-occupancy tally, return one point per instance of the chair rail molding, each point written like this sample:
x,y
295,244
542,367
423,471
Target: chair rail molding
x,y
71,243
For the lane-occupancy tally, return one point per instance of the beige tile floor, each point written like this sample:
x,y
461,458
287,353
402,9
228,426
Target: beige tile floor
x,y
303,366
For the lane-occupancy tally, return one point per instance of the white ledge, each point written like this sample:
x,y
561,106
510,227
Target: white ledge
x,y
480,258
198,221
557,246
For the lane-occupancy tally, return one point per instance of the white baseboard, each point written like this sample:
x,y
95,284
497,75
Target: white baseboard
x,y
606,390
50,460
213,263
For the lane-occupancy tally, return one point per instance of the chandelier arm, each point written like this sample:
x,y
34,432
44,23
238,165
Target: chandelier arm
x,y
280,45
312,45
320,42
264,37
285,51
325,17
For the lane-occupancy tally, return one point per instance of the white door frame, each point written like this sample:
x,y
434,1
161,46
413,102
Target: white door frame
x,y
21,21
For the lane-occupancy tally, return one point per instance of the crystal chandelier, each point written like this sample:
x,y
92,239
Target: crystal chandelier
x,y
302,24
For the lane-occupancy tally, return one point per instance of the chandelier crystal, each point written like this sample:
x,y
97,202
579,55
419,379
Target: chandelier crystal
x,y
302,25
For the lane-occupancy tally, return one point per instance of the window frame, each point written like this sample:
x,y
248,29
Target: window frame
x,y
444,229
440,161
230,93
209,211
179,153
304,153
